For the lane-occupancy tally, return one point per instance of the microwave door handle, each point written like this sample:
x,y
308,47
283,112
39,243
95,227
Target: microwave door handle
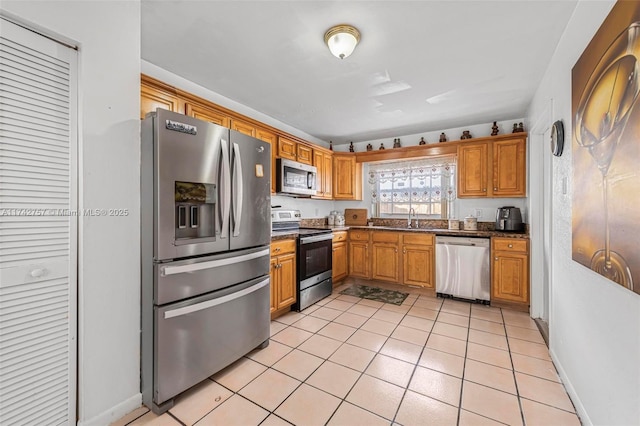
x,y
237,193
310,183
225,188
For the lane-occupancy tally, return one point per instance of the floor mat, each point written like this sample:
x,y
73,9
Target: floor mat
x,y
377,294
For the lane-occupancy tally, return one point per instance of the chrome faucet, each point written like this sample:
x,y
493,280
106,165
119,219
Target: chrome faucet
x,y
412,211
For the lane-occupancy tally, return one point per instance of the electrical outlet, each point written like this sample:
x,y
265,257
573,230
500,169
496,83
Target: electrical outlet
x,y
478,213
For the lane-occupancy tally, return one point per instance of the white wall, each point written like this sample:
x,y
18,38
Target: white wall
x,y
461,207
594,323
108,35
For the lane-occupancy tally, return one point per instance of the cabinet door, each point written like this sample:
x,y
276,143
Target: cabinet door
x,y
318,162
243,127
359,259
287,271
328,176
385,262
286,148
346,178
206,114
510,277
151,98
304,154
509,168
266,136
275,284
417,265
339,259
472,170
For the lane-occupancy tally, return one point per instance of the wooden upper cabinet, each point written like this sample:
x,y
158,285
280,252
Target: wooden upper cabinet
x,y
323,161
243,127
494,168
271,138
472,169
152,98
347,177
287,148
206,114
327,176
509,168
304,154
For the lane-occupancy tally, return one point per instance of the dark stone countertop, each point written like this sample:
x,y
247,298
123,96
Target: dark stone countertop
x,y
283,235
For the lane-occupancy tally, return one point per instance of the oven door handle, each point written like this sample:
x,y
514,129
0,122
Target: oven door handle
x,y
237,190
316,238
225,188
194,267
215,302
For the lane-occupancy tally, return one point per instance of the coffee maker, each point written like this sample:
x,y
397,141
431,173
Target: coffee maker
x,y
509,219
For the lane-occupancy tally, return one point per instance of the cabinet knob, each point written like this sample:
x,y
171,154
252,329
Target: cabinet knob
x,y
396,250
496,259
495,188
404,251
510,245
277,249
484,189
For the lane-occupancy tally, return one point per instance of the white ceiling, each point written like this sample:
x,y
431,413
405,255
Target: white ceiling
x,y
420,66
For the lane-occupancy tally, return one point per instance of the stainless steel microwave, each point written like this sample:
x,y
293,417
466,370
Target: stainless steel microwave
x,y
293,178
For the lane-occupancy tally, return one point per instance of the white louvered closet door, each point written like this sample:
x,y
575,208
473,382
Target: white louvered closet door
x,y
38,235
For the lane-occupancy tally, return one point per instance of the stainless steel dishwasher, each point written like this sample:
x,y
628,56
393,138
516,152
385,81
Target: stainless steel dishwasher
x,y
462,268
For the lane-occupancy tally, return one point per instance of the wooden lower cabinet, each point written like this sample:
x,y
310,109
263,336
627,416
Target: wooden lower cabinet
x,y
510,272
283,274
418,260
397,257
339,260
385,263
339,256
359,254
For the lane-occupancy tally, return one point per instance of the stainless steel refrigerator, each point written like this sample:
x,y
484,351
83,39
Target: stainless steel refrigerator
x,y
205,251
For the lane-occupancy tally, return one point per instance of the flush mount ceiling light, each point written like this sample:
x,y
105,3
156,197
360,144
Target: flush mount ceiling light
x,y
341,40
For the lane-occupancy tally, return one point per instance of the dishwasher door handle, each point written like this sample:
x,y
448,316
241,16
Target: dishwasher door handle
x,y
458,244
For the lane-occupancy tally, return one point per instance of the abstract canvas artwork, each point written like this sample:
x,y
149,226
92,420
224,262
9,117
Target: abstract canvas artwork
x,y
606,149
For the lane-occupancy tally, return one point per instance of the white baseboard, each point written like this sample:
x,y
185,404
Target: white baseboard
x,y
580,410
114,413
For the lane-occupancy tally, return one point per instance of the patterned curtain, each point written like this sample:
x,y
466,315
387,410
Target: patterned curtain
x,y
416,181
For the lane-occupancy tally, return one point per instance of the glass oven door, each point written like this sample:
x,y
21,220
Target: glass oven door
x,y
314,256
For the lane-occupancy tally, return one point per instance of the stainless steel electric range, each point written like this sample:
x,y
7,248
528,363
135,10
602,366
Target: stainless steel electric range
x,y
314,257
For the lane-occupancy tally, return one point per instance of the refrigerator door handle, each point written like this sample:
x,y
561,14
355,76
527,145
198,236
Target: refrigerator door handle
x,y
215,302
199,266
225,188
238,194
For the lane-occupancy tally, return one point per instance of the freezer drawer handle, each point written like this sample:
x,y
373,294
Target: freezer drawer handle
x,y
215,302
193,267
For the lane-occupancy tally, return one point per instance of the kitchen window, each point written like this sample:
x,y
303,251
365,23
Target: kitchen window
x,y
426,185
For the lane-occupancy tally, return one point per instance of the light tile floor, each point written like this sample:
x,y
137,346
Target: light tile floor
x,y
350,361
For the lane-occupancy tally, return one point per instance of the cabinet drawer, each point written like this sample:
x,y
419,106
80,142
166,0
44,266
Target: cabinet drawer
x,y
339,236
419,239
282,247
385,237
510,245
359,235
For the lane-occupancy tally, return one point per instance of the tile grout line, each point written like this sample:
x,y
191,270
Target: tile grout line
x,y
415,367
513,371
464,367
